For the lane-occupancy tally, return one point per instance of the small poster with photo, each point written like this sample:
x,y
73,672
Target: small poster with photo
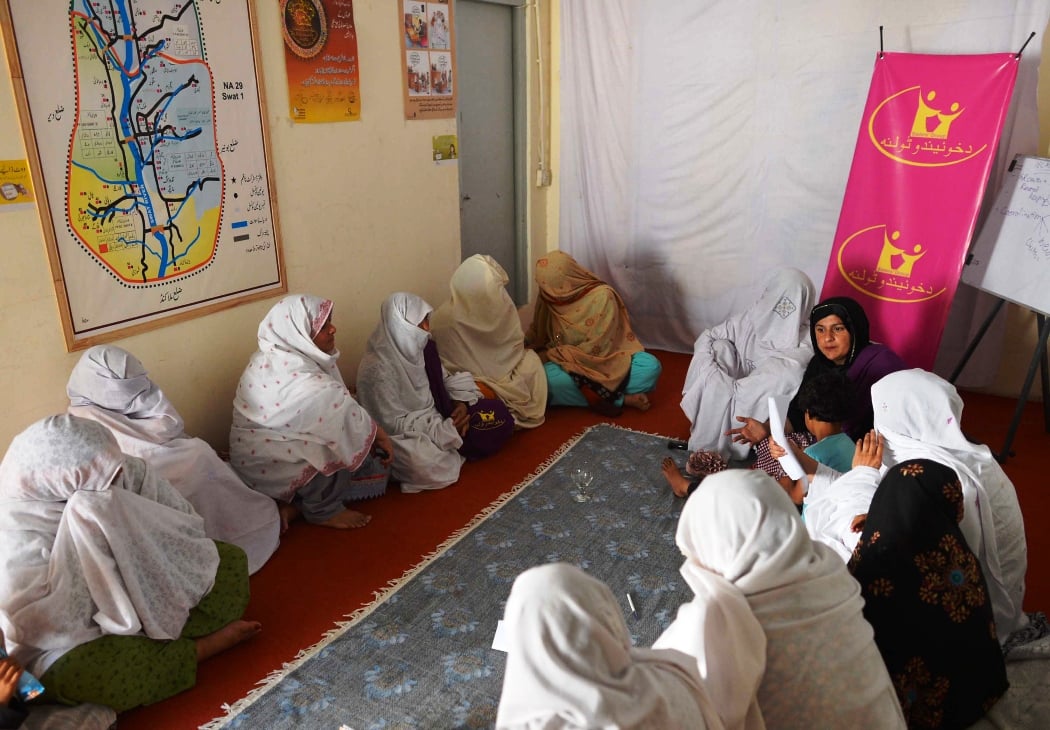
x,y
429,59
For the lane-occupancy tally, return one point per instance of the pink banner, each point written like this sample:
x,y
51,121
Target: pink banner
x,y
925,148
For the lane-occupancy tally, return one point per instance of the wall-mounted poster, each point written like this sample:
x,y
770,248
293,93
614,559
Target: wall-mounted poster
x,y
428,59
320,43
16,184
144,125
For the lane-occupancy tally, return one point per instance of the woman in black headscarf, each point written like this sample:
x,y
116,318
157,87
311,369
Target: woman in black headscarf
x,y
841,339
926,597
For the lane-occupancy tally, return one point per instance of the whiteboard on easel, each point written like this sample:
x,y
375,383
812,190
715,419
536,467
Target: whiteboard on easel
x,y
1011,258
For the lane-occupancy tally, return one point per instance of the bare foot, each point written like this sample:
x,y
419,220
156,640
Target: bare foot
x,y
679,483
637,400
347,519
289,513
229,635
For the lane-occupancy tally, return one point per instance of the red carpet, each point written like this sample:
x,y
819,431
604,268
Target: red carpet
x,y
319,575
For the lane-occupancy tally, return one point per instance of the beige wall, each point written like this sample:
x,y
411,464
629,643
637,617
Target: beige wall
x,y
347,233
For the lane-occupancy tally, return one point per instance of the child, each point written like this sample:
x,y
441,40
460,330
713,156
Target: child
x,y
826,402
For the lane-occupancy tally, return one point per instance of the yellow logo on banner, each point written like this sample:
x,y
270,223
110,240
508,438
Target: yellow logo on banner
x,y
877,265
928,142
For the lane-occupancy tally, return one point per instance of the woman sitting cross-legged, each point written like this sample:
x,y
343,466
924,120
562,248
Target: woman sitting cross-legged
x,y
840,333
776,623
110,592
436,419
739,363
571,665
926,597
110,385
581,331
298,435
478,331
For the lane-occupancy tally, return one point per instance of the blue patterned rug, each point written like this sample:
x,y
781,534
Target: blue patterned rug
x,y
420,656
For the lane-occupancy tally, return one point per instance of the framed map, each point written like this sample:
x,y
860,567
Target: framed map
x,y
145,127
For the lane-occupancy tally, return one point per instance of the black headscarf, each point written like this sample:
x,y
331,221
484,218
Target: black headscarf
x,y
856,321
926,597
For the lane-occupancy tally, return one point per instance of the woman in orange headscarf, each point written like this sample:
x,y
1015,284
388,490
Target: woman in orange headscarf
x,y
583,334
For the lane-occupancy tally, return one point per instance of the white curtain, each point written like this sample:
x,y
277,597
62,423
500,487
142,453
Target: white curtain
x,y
706,144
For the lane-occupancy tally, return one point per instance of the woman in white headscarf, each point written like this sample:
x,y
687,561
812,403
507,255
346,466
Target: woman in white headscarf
x,y
110,591
776,624
918,415
437,419
478,331
739,363
570,663
110,385
298,435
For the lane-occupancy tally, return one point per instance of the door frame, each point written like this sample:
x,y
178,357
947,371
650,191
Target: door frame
x,y
519,76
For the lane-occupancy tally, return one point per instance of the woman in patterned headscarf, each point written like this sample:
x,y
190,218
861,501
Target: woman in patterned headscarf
x,y
581,330
110,591
926,597
298,434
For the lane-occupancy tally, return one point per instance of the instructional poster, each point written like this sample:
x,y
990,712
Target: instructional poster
x,y
144,125
320,41
428,60
16,184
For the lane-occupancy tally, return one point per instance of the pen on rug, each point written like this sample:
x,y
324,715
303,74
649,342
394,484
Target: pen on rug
x,y
630,602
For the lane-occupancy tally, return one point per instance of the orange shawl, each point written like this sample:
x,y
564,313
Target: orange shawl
x,y
582,322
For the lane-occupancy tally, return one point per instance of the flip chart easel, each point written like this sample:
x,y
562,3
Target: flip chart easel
x,y
1011,261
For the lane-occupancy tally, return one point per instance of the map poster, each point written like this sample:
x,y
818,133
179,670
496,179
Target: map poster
x,y
16,183
320,51
143,122
428,59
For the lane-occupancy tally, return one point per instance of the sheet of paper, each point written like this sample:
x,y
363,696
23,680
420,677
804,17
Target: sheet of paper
x,y
778,405
501,641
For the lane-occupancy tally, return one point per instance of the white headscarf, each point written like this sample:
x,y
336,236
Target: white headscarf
x,y
738,364
110,385
293,416
742,539
571,663
919,416
92,544
478,330
114,379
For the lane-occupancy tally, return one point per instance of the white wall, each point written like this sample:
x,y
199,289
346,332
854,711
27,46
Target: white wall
x,y
348,235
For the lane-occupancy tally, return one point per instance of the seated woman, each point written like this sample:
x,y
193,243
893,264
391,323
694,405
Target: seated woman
x,y
571,664
776,624
298,435
110,592
918,416
436,420
839,331
925,595
738,364
110,385
581,331
478,331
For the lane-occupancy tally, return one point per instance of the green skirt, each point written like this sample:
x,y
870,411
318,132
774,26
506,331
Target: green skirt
x,y
127,671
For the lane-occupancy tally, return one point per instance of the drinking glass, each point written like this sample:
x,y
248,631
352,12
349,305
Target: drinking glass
x,y
582,476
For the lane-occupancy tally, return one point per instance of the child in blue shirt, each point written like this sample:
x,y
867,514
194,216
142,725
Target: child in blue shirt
x,y
826,401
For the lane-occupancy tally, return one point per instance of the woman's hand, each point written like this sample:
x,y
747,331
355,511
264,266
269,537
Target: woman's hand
x,y
752,432
775,449
383,447
857,523
868,451
460,417
10,671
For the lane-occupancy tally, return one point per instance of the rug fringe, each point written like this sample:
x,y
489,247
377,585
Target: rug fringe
x,y
394,585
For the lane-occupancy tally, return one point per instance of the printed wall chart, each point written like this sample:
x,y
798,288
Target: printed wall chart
x,y
144,123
